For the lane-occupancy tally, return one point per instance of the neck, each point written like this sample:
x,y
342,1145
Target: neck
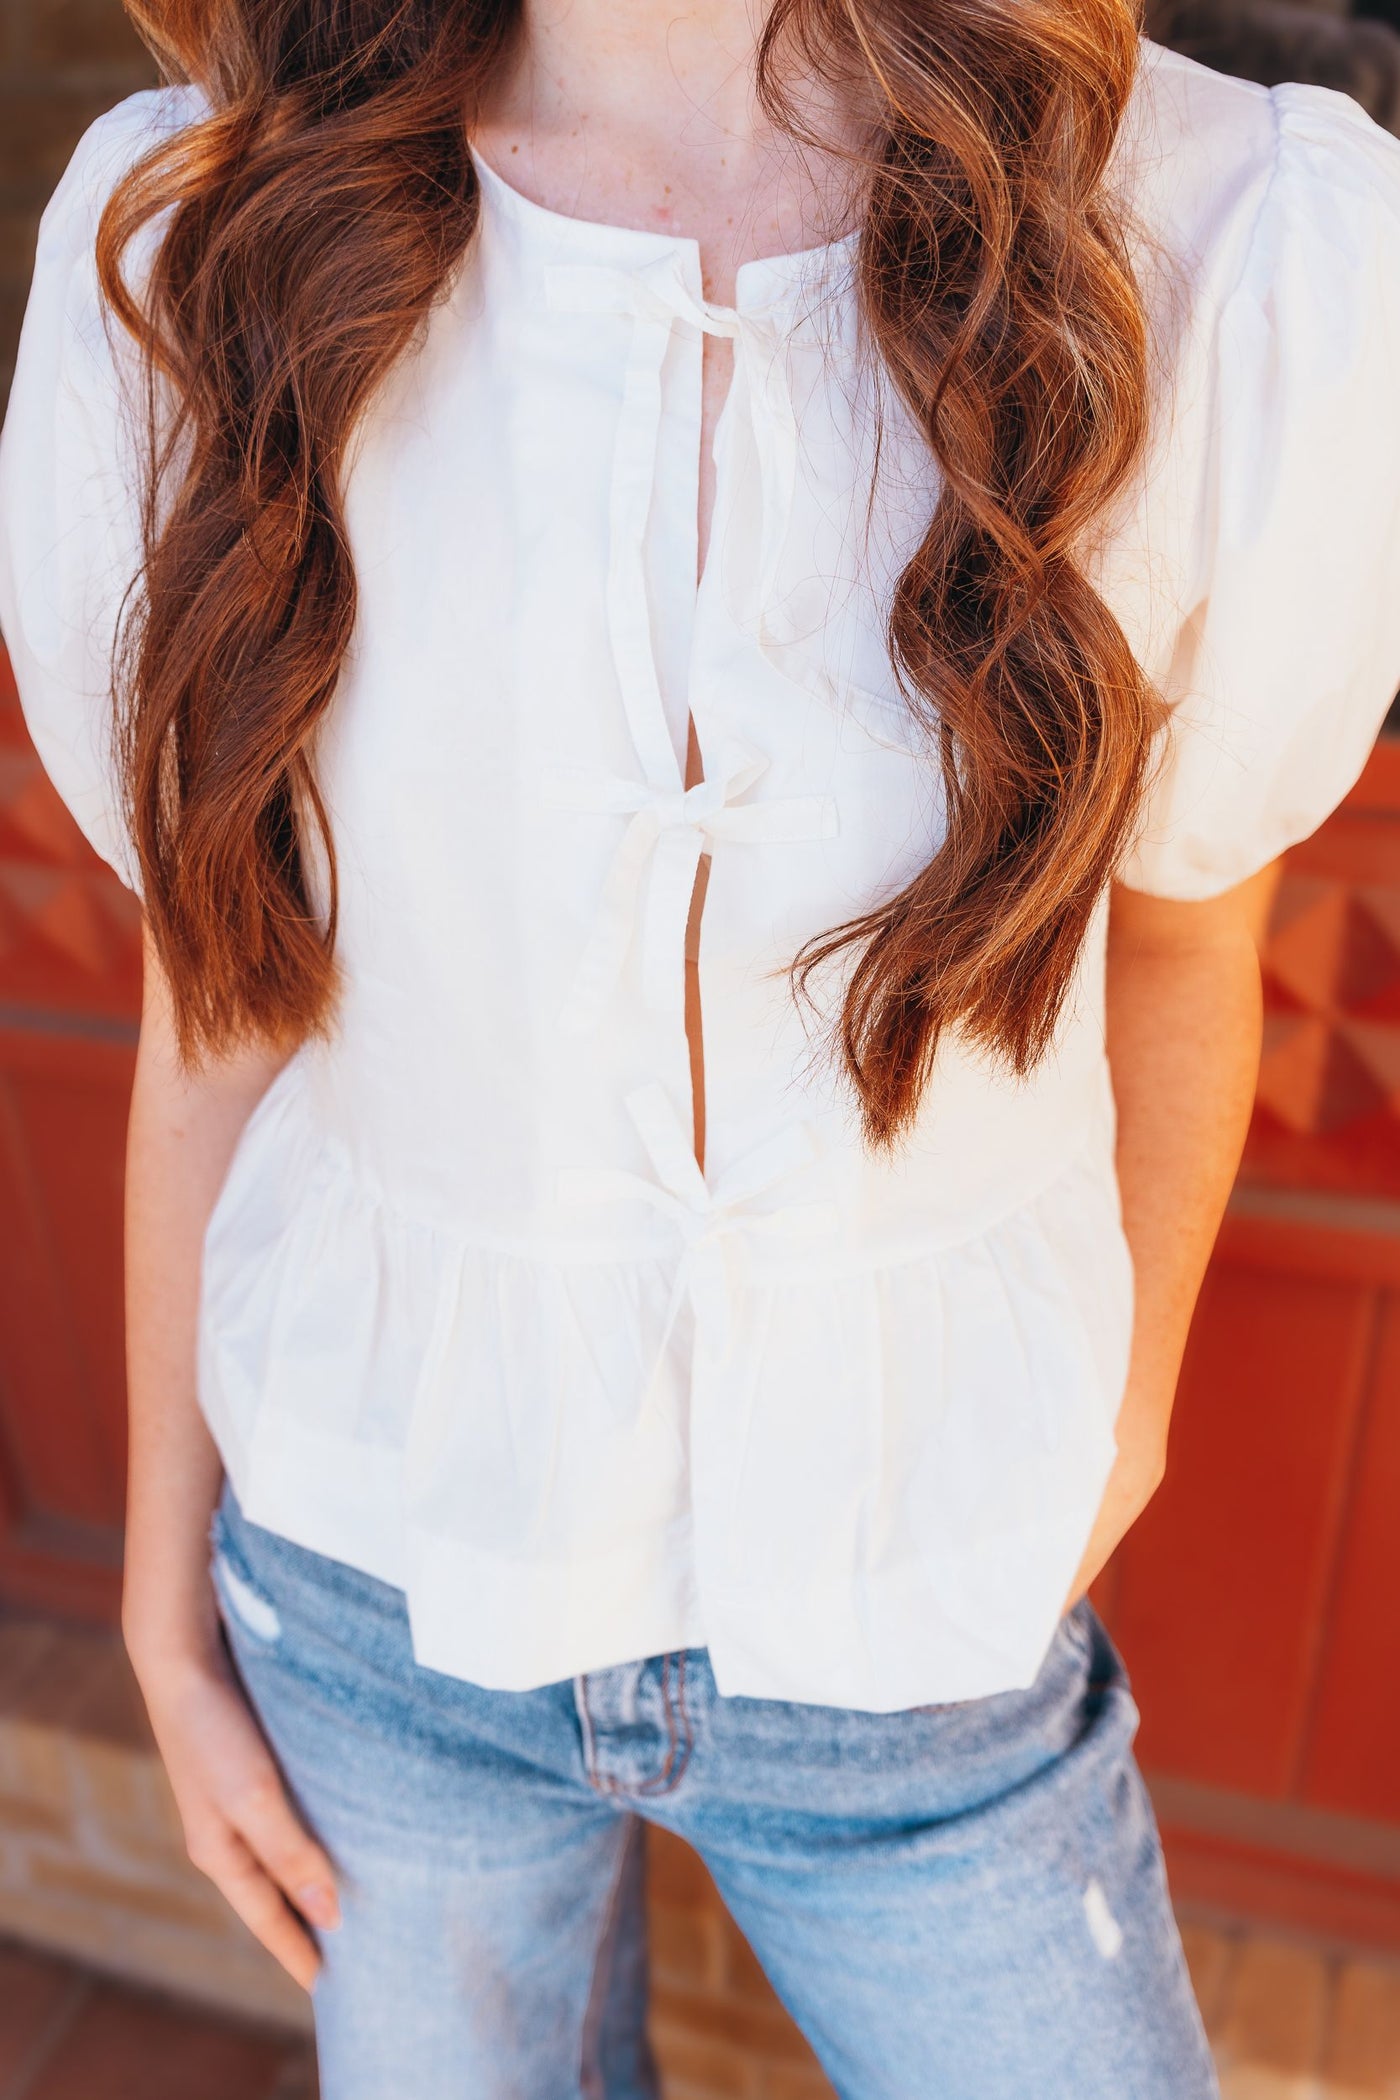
x,y
678,73
646,113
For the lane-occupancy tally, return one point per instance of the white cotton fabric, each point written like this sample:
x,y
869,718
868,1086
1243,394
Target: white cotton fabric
x,y
473,1319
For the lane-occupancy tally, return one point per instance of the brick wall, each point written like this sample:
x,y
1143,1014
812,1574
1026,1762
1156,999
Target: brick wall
x,y
61,63
719,2032
92,1860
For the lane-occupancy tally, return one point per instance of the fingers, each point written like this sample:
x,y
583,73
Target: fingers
x,y
259,1854
269,1826
251,1893
240,1826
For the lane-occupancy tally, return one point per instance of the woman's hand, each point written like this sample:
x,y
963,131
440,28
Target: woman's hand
x,y
240,1828
1134,1480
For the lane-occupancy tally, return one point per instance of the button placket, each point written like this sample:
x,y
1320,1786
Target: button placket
x,y
635,1726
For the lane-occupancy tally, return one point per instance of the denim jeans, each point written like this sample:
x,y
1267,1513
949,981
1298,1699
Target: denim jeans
x,y
955,1903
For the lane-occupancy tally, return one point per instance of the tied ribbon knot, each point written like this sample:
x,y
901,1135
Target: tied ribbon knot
x,y
657,297
713,1223
668,829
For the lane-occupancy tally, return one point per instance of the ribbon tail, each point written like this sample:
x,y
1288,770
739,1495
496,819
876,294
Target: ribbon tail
x,y
628,606
776,436
605,950
651,1392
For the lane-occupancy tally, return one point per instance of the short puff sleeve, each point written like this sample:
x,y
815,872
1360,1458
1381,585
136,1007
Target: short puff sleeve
x,y
1283,651
70,467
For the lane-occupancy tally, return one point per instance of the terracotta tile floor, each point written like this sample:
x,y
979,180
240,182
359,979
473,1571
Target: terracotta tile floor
x,y
69,2035
1289,2022
1292,2022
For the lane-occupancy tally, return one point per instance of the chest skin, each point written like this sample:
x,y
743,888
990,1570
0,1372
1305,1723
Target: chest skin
x,y
718,372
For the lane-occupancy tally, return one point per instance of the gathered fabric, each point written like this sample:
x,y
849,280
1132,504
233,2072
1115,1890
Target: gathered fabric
x,y
474,1319
698,1406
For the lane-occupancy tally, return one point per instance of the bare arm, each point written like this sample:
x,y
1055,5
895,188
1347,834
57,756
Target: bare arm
x,y
1183,1044
180,1139
238,1824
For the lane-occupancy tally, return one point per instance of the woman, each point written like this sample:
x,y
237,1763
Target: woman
x,y
714,620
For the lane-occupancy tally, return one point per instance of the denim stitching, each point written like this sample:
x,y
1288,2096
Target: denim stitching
x,y
680,1732
599,1782
661,1782
686,1722
680,1736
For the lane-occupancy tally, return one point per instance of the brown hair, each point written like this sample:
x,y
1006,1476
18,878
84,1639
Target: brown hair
x,y
311,220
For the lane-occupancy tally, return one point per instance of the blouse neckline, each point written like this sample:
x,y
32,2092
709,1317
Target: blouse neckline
x,y
761,281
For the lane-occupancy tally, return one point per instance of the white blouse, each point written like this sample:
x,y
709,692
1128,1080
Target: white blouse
x,y
473,1319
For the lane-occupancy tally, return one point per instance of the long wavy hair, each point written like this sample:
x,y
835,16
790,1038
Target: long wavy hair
x,y
301,233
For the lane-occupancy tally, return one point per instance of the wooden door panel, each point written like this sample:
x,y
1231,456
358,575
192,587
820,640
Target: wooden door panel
x,y
65,1113
1221,1586
1353,1752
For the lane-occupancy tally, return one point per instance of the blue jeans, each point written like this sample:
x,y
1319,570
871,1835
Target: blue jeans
x,y
955,1903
